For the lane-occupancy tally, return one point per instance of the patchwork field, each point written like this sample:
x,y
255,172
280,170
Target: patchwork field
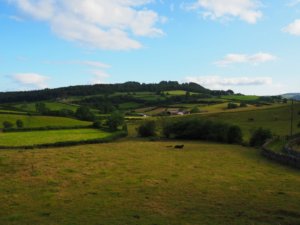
x,y
51,136
41,121
50,105
241,97
137,182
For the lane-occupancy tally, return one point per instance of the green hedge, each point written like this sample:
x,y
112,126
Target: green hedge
x,y
45,128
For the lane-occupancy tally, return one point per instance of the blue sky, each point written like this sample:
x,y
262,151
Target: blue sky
x,y
249,46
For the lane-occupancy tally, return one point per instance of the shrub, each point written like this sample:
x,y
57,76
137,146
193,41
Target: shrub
x,y
195,110
84,113
147,129
243,104
235,135
115,120
259,137
232,105
19,124
7,124
97,124
299,124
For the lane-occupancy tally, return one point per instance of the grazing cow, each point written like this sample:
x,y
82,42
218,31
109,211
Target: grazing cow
x,y
179,146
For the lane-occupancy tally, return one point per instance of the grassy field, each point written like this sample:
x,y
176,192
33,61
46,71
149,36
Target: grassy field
x,y
30,107
146,183
277,119
241,97
41,121
47,137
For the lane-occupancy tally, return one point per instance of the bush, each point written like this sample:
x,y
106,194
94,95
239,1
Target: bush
x,y
259,137
299,124
195,110
19,124
147,129
97,124
7,124
196,129
243,104
232,105
84,113
115,120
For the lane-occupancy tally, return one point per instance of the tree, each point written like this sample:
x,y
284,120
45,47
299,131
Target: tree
x,y
41,108
115,120
19,124
147,129
259,137
84,113
299,124
234,135
243,104
97,124
7,124
232,105
195,110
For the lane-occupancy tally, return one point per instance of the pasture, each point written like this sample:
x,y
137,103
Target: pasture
x,y
241,97
277,119
41,121
30,107
30,138
138,183
51,136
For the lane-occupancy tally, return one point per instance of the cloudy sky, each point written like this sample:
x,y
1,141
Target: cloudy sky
x,y
250,46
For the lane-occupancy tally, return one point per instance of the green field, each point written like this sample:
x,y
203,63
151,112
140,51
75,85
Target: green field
x,y
48,137
41,121
30,107
146,183
241,97
277,119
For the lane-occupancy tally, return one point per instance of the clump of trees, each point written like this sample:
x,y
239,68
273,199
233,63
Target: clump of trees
x,y
84,113
115,120
19,124
7,124
259,137
195,110
232,105
197,129
147,129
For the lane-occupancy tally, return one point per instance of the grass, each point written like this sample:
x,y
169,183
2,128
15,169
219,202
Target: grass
x,y
178,92
241,97
137,182
30,107
41,121
277,145
277,119
47,137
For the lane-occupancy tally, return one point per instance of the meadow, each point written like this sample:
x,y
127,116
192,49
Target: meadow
x,y
52,136
30,107
141,183
275,118
41,121
241,97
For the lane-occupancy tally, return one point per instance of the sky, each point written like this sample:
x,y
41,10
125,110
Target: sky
x,y
249,46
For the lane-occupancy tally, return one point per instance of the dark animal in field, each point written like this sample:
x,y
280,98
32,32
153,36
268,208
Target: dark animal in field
x,y
179,146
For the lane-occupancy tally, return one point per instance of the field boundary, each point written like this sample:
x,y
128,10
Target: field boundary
x,y
14,130
112,137
282,158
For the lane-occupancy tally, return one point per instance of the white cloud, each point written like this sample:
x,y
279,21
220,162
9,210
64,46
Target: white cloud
x,y
293,28
246,10
99,76
31,79
102,24
255,59
82,62
217,82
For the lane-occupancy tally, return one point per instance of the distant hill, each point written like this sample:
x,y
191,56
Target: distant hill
x,y
98,89
295,96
